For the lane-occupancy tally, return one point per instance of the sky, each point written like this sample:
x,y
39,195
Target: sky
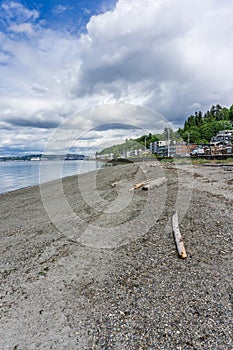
x,y
98,72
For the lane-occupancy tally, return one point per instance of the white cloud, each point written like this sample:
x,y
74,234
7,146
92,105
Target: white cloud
x,y
160,45
97,128
169,56
22,140
18,11
22,28
60,8
18,19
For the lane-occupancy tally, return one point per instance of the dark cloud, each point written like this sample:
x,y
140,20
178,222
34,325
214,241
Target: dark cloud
x,y
114,126
173,57
41,124
172,50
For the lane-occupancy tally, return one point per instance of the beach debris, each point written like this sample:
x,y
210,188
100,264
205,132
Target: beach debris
x,y
177,236
228,168
153,164
139,185
114,184
148,184
154,183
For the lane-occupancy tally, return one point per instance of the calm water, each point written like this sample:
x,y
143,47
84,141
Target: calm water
x,y
16,175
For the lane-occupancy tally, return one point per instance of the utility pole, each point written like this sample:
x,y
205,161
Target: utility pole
x,y
188,142
168,142
224,137
145,147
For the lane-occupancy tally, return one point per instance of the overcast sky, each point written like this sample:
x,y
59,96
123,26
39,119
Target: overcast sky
x,y
86,63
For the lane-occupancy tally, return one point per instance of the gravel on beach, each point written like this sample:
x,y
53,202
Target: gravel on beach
x,y
108,277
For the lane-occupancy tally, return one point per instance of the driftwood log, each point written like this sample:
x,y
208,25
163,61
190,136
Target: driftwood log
x,y
114,184
139,185
154,183
177,236
148,184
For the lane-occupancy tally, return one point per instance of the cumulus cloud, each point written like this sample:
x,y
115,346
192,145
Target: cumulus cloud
x,y
24,140
22,28
16,18
96,128
174,52
169,56
16,11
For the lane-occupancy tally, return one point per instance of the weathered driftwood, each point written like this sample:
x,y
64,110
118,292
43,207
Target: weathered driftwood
x,y
154,183
114,184
139,185
148,184
177,236
228,168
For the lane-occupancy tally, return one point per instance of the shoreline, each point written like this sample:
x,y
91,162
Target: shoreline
x,y
190,161
34,177
60,291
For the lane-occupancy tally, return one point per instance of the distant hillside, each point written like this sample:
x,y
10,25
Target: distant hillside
x,y
43,157
119,149
140,142
198,128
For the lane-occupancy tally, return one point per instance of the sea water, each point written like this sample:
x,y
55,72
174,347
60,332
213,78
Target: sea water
x,y
19,174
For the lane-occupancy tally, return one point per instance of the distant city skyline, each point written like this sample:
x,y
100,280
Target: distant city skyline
x,y
60,59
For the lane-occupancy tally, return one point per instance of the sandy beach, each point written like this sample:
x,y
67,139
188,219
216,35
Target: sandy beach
x,y
87,264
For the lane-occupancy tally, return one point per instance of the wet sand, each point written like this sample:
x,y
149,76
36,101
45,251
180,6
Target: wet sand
x,y
95,267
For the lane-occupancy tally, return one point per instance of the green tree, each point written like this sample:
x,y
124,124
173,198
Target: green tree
x,y
230,113
192,135
207,131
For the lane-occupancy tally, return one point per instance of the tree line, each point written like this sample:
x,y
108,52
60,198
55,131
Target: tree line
x,y
200,128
